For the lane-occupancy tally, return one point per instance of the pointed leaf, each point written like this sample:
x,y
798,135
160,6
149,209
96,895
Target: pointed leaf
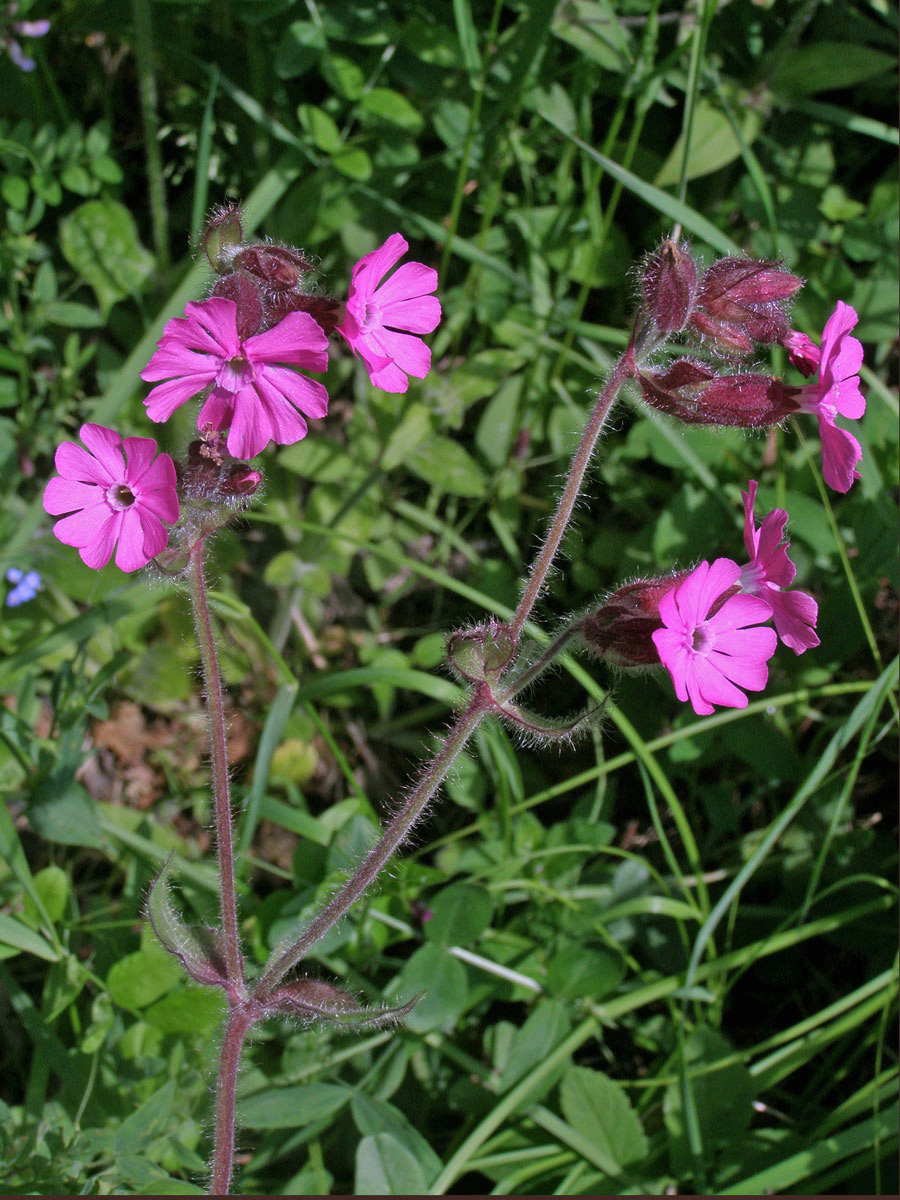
x,y
312,1000
199,947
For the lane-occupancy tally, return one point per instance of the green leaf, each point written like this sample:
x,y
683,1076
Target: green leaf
x,y
52,885
300,47
373,1116
722,1097
142,977
445,464
15,191
391,107
353,162
385,1167
460,913
100,240
344,75
407,435
188,1009
580,971
827,66
714,144
199,948
71,315
597,1107
147,1122
68,818
499,423
545,1028
13,933
292,1107
320,127
444,983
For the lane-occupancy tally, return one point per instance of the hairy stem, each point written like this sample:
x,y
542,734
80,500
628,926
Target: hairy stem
x,y
219,761
226,1090
623,370
531,672
372,865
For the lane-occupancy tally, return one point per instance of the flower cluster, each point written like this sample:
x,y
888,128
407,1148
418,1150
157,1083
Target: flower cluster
x,y
705,626
245,352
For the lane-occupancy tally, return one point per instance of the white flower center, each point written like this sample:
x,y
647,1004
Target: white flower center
x,y
119,496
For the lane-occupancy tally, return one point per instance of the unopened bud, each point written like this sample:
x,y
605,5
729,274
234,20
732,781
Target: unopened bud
x,y
323,309
278,267
669,286
481,653
741,301
245,294
697,396
241,480
621,629
802,351
222,234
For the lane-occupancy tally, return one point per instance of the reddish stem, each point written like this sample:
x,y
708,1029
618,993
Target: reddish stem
x,y
226,1091
623,370
218,745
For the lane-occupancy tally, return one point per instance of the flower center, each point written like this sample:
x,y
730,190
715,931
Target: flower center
x,y
702,640
371,318
235,373
120,496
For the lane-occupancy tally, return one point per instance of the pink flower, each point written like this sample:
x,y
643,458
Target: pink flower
x,y
115,491
375,314
836,393
256,401
708,655
770,571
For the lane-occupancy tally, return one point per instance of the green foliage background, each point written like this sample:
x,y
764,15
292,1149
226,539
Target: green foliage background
x,y
664,959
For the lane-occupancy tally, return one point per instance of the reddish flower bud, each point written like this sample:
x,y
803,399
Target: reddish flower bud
x,y
741,301
696,395
221,235
669,285
278,267
241,480
621,629
481,653
323,309
245,294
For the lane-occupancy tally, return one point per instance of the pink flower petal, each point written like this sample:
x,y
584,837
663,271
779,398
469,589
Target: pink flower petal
x,y
139,453
162,400
106,447
840,454
297,339
421,315
74,462
85,526
411,281
67,495
371,269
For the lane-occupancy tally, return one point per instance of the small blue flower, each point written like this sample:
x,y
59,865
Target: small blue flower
x,y
26,585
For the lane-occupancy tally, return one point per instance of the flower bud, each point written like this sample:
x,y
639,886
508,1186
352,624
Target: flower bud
x,y
323,309
481,653
245,294
222,234
241,480
278,267
741,301
621,629
696,395
802,351
669,286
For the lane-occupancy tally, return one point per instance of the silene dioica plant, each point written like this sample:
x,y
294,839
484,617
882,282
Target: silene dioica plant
x,y
248,351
